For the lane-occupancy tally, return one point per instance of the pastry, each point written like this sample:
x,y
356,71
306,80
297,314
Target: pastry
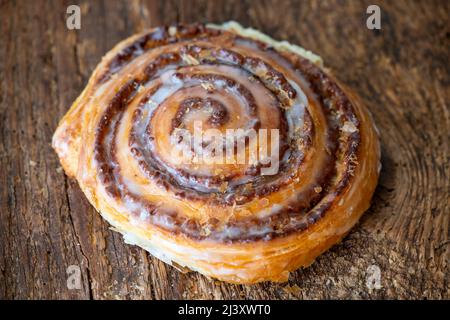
x,y
220,150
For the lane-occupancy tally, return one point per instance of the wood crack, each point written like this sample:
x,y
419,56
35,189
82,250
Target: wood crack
x,y
88,272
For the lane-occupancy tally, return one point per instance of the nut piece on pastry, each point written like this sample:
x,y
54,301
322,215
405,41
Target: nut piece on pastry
x,y
166,143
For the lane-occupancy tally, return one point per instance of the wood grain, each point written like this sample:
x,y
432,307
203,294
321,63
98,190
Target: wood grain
x,y
401,71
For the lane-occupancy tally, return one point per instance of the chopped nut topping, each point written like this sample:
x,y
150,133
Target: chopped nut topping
x,y
349,127
247,188
208,86
172,31
223,187
189,59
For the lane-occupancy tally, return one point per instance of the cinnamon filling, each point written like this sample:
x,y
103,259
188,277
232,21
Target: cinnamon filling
x,y
194,78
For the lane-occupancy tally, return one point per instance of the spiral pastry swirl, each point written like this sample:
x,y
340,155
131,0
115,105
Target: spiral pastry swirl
x,y
156,137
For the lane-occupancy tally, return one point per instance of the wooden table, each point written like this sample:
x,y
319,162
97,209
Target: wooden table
x,y
401,71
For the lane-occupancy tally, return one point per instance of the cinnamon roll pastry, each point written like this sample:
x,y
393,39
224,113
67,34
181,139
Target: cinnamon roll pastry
x,y
220,150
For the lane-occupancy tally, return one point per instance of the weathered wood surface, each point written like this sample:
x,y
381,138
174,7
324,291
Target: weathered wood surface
x,y
402,72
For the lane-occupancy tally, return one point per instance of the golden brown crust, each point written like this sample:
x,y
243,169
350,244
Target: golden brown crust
x,y
230,222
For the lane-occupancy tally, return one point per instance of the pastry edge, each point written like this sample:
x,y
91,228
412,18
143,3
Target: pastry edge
x,y
251,33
